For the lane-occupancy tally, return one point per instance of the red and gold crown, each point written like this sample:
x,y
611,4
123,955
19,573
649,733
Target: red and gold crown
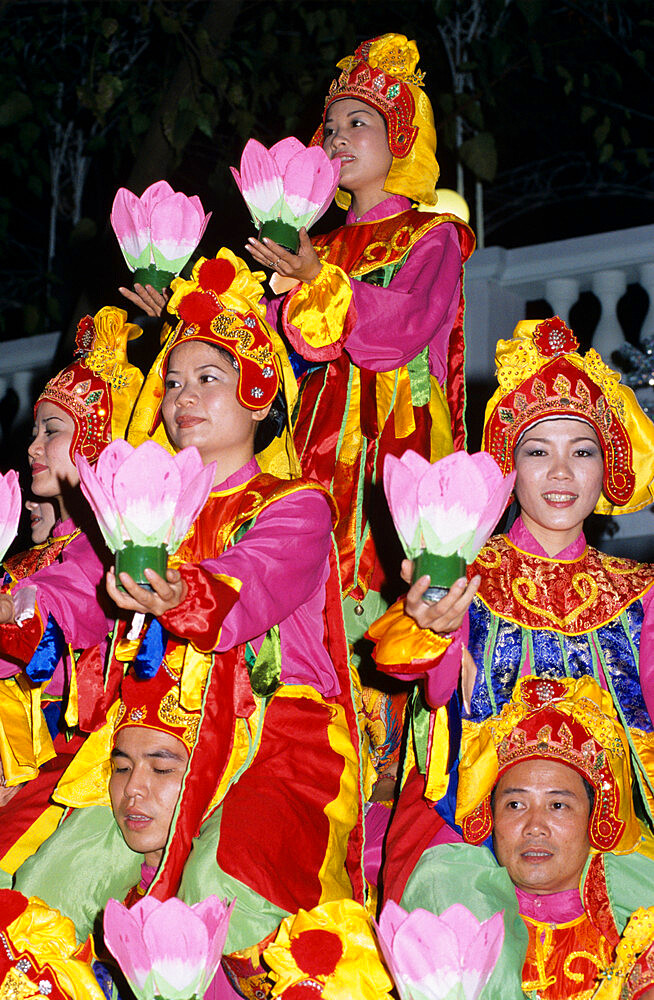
x,y
154,704
100,387
382,73
541,375
569,721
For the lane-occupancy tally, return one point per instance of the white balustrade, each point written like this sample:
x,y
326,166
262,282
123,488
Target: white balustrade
x,y
499,283
24,367
609,287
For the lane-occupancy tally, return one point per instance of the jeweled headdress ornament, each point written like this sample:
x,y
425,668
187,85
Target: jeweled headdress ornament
x,y
541,375
569,721
100,387
383,73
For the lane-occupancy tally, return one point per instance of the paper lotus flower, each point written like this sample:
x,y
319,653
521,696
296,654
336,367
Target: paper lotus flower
x,y
286,187
10,504
329,952
157,232
437,957
450,506
145,495
167,950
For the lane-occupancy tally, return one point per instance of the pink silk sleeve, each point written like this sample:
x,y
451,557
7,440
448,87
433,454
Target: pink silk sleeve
x,y
417,310
282,562
391,326
70,590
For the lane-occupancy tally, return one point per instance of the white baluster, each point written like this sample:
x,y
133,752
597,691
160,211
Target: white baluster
x,y
609,287
647,281
562,293
21,383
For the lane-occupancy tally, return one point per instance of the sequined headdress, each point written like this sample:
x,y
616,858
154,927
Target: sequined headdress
x,y
569,721
221,305
541,375
382,73
154,704
100,387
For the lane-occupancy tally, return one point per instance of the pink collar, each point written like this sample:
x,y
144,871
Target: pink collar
x,y
242,475
523,539
389,206
553,908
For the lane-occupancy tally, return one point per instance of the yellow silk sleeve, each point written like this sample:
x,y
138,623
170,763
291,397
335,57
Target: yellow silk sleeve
x,y
318,308
398,640
49,937
25,742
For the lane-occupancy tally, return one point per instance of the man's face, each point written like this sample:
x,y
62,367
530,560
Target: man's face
x,y
147,771
540,828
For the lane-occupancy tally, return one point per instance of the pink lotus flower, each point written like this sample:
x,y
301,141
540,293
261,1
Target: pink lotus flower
x,y
436,957
450,506
289,182
167,950
145,495
10,504
162,227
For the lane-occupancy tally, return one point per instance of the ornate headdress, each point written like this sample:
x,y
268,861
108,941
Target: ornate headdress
x,y
154,704
541,375
100,387
382,73
570,721
220,305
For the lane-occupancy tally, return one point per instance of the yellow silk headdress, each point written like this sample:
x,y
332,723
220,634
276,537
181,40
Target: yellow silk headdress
x,y
572,721
382,73
541,375
220,305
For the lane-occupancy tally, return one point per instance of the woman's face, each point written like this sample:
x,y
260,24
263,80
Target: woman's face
x,y
560,468
42,519
356,134
53,470
201,408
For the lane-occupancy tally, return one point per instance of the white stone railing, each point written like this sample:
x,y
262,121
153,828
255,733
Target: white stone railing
x,y
500,282
24,366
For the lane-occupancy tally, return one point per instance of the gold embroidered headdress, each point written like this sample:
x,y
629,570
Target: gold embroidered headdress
x,y
541,375
569,721
383,73
221,305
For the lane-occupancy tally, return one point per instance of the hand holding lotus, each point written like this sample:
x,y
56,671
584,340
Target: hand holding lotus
x,y
164,596
444,616
147,298
303,266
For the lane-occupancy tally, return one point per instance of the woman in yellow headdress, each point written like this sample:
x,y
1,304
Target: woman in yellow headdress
x,y
547,603
378,308
250,616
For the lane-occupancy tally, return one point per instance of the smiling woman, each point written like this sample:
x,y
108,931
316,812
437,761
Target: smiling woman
x,y
546,603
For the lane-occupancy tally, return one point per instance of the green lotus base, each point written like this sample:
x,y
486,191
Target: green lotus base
x,y
443,571
287,236
135,559
152,276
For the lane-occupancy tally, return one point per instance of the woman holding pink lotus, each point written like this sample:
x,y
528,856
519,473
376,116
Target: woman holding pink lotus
x,y
248,616
547,604
376,309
